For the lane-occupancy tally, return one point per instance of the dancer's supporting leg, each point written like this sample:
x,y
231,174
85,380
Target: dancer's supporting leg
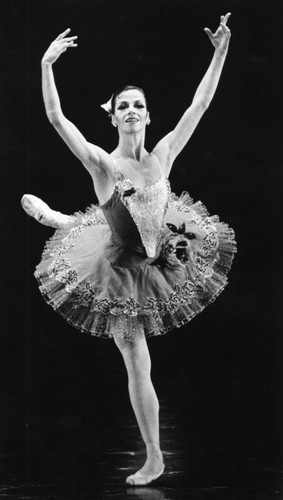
x,y
145,405
40,211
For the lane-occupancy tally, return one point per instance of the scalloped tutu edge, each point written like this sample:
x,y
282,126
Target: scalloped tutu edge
x,y
126,321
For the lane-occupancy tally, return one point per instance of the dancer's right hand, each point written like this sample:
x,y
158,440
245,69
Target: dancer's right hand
x,y
59,45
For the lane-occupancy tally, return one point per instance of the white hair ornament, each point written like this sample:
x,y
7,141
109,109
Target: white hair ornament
x,y
107,106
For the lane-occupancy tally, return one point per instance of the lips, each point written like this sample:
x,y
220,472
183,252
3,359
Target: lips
x,y
132,120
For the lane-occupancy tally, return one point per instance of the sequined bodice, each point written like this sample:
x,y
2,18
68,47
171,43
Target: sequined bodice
x,y
136,215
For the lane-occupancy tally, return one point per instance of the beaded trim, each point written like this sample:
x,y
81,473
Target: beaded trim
x,y
147,207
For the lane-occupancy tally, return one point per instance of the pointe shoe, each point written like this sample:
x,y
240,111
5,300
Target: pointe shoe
x,y
139,479
41,212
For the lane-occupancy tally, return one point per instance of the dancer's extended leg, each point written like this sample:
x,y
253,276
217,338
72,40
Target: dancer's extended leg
x,y
145,405
41,212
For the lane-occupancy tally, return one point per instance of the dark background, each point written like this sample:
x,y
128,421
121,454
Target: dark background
x,y
64,393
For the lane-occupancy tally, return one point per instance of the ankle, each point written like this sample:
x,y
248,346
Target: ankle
x,y
152,446
153,451
61,219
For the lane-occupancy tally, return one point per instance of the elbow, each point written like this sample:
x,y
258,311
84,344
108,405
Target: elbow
x,y
54,118
204,104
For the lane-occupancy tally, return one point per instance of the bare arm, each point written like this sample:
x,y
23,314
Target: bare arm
x,y
90,155
173,143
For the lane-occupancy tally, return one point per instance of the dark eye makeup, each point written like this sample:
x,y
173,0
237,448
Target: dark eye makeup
x,y
125,105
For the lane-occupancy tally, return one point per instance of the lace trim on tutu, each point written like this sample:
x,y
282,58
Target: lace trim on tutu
x,y
77,302
67,234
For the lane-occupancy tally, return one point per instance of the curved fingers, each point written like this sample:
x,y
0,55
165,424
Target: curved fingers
x,y
62,35
69,38
225,28
224,19
64,43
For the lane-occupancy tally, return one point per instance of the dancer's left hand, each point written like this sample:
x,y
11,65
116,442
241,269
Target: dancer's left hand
x,y
220,39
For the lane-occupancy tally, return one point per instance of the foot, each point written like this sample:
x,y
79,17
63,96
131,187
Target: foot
x,y
41,212
152,469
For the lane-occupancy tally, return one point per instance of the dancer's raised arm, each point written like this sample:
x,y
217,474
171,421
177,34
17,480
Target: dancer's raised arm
x,y
90,155
173,143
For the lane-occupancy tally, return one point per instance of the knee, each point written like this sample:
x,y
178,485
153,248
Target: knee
x,y
136,356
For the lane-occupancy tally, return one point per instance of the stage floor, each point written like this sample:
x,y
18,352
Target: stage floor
x,y
87,455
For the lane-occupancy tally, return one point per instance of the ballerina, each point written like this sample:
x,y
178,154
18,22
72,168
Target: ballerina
x,y
143,261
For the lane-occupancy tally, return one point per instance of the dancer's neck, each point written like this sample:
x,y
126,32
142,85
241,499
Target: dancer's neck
x,y
131,146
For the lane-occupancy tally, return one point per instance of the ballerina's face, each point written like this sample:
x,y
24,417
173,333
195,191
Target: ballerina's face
x,y
131,114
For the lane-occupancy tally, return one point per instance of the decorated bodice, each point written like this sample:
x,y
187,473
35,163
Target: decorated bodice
x,y
136,215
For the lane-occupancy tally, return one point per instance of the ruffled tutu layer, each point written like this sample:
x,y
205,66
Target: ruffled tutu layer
x,y
81,278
